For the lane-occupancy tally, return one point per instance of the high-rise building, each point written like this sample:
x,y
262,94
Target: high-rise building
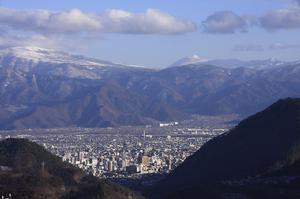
x,y
110,166
170,163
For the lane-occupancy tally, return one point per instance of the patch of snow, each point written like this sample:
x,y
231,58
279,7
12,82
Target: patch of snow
x,y
37,54
194,59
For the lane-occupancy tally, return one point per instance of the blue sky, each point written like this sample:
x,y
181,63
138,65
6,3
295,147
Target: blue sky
x,y
156,33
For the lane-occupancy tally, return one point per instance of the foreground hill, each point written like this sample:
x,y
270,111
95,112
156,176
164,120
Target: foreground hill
x,y
42,88
260,158
28,171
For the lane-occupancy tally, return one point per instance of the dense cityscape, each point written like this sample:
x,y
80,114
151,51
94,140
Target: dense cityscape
x,y
111,153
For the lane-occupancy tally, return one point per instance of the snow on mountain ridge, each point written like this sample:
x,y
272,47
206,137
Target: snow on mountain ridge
x,y
234,63
194,59
37,54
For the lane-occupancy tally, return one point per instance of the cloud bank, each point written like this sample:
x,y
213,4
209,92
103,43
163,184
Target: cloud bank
x,y
283,19
283,46
228,22
224,22
248,48
259,47
152,21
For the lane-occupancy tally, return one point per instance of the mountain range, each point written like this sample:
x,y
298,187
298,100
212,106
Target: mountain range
x,y
259,159
42,88
233,63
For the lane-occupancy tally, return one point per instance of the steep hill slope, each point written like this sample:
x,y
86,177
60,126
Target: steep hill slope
x,y
265,145
29,171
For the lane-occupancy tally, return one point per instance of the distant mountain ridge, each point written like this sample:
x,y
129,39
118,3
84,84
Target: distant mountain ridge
x,y
264,148
37,54
41,88
195,59
233,63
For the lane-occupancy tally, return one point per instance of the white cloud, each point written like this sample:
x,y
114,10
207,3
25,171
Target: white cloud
x,y
230,22
151,22
248,48
281,19
224,22
259,48
111,21
283,46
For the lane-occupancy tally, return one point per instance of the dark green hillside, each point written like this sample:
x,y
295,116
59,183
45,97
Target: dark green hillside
x,y
29,171
262,145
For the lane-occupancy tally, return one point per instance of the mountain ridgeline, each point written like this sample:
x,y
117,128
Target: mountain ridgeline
x,y
259,158
28,171
42,88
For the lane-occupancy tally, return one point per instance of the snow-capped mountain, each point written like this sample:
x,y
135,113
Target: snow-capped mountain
x,y
42,55
195,59
36,54
233,63
30,59
41,88
253,64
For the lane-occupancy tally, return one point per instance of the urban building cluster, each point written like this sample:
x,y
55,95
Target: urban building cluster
x,y
126,155
117,153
